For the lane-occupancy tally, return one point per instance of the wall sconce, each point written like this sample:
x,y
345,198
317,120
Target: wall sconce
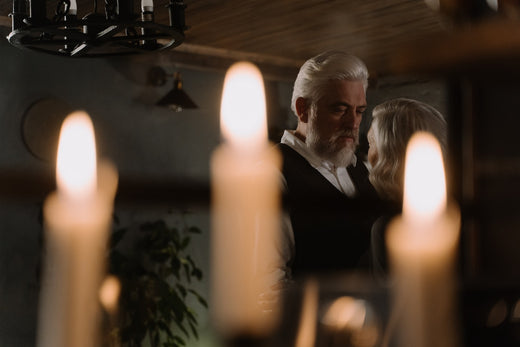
x,y
176,99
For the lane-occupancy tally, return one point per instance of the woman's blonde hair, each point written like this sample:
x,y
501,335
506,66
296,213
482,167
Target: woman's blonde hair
x,y
393,124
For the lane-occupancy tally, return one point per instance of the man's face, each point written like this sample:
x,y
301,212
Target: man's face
x,y
333,129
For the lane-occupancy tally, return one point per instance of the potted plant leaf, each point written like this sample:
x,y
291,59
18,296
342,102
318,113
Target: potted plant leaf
x,y
157,274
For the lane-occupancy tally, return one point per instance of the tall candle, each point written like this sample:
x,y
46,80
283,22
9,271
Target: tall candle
x,y
245,206
422,245
77,220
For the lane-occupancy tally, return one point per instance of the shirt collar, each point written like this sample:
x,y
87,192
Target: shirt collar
x,y
289,138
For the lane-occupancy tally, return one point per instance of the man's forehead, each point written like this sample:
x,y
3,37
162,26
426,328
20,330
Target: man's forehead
x,y
350,91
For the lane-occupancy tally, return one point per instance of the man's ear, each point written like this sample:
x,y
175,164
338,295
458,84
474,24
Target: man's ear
x,y
302,110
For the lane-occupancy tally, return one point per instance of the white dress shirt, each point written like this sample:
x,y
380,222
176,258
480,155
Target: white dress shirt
x,y
279,274
338,176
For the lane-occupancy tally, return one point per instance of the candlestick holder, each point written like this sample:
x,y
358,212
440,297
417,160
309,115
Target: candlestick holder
x,y
347,309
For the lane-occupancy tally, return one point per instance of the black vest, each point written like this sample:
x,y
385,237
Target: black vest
x,y
331,230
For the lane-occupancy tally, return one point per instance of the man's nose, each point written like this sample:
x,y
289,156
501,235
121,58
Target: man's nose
x,y
352,119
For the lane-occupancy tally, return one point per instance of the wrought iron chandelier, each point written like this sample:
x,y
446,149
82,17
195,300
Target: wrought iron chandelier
x,y
116,31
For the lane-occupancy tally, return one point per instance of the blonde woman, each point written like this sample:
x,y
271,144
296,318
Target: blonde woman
x,y
393,124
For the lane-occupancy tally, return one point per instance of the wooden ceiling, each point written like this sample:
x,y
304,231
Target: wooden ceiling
x,y
281,34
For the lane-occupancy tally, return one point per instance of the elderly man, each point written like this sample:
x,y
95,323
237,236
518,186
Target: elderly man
x,y
327,195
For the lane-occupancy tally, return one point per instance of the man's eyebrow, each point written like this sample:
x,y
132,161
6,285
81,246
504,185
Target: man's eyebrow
x,y
346,104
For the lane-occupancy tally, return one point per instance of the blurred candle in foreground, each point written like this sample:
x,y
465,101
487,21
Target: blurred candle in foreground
x,y
245,206
422,244
109,293
306,335
77,221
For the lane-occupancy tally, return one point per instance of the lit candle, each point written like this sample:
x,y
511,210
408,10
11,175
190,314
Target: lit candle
x,y
422,245
77,220
245,206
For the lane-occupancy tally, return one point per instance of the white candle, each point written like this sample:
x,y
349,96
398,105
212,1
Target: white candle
x,y
147,5
245,206
73,9
422,245
77,220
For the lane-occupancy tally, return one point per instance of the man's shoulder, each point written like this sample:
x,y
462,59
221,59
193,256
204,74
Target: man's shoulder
x,y
289,153
291,159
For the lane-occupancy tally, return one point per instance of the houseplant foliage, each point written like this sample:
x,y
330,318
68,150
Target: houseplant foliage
x,y
157,275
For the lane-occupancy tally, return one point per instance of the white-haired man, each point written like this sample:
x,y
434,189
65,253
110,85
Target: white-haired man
x,y
328,195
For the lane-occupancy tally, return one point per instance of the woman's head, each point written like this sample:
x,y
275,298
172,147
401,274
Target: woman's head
x,y
393,124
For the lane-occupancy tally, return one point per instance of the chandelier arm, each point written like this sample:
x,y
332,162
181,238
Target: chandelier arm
x,y
62,9
95,35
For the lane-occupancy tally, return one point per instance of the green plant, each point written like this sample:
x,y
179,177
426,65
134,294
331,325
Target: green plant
x,y
156,274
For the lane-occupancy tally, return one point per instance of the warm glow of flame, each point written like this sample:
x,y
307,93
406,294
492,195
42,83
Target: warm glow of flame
x,y
109,293
243,113
76,164
306,336
425,182
346,312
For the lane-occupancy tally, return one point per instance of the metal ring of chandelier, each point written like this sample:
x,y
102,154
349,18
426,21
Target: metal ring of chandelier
x,y
87,37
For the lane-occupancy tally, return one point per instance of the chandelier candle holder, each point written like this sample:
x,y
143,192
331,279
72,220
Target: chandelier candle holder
x,y
115,32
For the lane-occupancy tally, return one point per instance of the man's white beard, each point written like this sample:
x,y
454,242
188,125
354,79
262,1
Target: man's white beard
x,y
328,149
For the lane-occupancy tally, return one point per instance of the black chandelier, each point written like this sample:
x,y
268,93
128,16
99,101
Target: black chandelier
x,y
116,31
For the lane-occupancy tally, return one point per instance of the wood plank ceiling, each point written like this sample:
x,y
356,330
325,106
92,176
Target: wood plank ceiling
x,y
283,33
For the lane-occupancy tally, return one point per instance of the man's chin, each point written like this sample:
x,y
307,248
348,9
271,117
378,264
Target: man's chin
x,y
344,156
347,145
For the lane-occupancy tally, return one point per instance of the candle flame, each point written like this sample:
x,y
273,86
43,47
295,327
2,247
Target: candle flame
x,y
76,165
243,112
425,182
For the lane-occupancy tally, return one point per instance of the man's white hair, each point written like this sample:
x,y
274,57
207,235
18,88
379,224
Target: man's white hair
x,y
316,72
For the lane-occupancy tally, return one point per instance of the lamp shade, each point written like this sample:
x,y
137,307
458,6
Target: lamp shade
x,y
177,99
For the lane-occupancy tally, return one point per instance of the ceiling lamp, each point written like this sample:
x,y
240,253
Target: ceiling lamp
x,y
176,99
116,31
